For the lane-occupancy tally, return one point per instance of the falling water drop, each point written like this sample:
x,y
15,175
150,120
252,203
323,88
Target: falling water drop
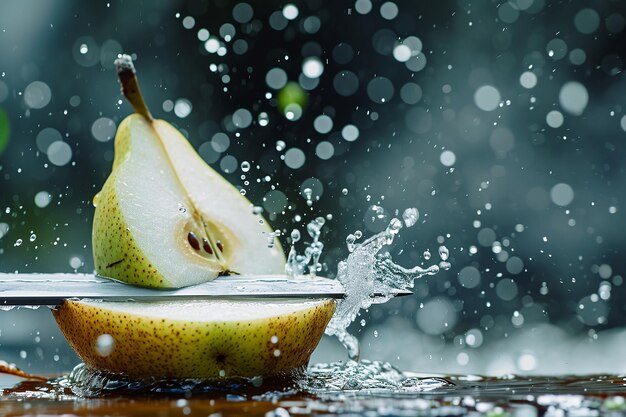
x,y
308,193
426,254
410,216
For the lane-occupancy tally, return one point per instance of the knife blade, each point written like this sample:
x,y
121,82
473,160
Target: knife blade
x,y
53,289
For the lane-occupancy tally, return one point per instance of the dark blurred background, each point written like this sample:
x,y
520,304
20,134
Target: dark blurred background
x,y
502,122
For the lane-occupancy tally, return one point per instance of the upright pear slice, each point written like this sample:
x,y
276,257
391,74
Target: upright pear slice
x,y
164,218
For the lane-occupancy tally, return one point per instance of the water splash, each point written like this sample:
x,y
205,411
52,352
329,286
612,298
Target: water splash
x,y
297,264
84,381
365,375
368,270
5,307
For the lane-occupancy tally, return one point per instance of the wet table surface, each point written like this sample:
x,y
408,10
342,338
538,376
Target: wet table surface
x,y
327,390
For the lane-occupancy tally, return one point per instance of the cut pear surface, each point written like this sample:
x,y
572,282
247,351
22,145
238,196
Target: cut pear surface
x,y
164,218
196,339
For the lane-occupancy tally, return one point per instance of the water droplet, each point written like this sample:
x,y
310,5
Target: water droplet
x,y
242,191
308,193
43,198
75,262
104,345
426,255
18,242
295,235
33,237
4,229
271,238
181,208
245,166
443,253
290,12
263,119
410,216
297,264
344,191
280,145
257,210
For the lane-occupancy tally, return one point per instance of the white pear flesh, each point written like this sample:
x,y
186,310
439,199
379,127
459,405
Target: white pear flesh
x,y
196,339
157,188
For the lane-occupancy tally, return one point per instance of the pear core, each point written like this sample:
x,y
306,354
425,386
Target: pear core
x,y
196,339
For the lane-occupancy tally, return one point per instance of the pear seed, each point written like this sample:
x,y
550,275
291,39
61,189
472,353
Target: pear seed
x,y
193,240
206,246
220,246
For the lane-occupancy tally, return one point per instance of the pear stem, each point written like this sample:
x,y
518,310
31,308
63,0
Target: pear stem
x,y
130,86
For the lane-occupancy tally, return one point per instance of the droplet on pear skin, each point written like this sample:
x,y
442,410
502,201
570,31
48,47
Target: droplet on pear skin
x,y
104,345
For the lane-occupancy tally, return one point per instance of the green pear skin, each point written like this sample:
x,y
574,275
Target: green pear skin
x,y
149,346
115,251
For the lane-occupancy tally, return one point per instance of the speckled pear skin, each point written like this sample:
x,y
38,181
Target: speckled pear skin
x,y
115,252
161,347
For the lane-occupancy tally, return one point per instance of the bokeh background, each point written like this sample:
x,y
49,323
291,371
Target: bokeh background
x,y
502,122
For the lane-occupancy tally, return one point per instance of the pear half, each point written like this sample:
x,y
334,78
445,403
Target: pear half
x,y
164,218
196,339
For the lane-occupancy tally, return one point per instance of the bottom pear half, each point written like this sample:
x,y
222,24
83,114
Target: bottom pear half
x,y
195,339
